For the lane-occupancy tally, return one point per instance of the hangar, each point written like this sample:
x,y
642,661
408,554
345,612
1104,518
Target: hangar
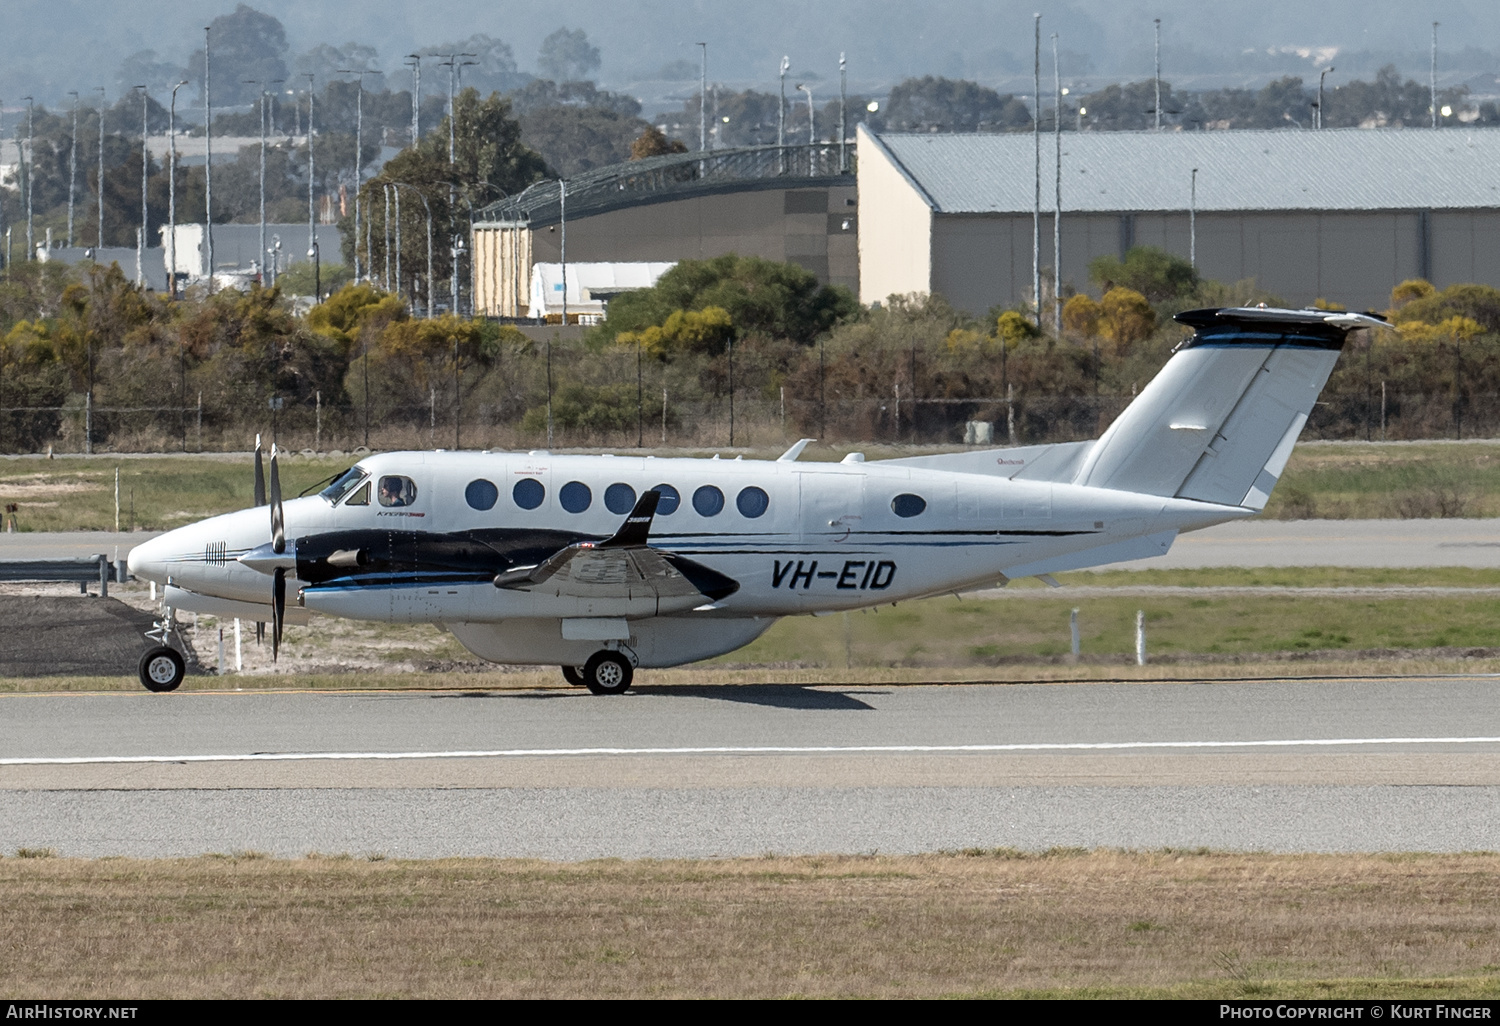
x,y
783,203
1340,214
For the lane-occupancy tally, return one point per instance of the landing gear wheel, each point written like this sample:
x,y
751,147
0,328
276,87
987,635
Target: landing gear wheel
x,y
607,673
573,675
162,668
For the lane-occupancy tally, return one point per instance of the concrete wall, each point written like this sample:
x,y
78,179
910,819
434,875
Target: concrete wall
x,y
896,250
1353,258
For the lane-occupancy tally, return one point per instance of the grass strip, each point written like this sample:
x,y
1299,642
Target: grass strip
x,y
1066,923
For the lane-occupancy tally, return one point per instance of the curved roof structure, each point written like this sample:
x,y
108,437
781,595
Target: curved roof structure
x,y
674,176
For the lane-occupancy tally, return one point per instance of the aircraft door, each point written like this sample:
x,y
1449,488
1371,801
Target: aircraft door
x,y
831,504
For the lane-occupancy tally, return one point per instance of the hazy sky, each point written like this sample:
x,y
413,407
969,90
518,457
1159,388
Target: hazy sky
x,y
50,46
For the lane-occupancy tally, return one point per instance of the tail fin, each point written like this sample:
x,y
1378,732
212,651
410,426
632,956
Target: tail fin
x,y
1219,421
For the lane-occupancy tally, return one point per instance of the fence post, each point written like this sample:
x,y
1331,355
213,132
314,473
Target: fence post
x,y
103,576
1140,637
1073,633
200,421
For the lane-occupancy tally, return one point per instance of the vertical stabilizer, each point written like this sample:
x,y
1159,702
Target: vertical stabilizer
x,y
1219,422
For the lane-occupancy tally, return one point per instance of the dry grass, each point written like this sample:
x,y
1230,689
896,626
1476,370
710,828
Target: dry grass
x,y
1076,923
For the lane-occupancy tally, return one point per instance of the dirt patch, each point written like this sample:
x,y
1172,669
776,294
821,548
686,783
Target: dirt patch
x,y
78,635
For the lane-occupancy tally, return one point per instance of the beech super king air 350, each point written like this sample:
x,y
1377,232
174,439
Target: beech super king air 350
x,y
601,564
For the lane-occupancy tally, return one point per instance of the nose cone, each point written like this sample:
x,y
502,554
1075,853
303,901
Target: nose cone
x,y
149,560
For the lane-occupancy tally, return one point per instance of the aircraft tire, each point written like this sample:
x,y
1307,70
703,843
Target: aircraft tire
x,y
607,673
162,668
573,675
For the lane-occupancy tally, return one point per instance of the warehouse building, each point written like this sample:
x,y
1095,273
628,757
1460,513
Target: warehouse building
x,y
793,203
1342,214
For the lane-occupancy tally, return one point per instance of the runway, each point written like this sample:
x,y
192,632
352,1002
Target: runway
x,y
1326,765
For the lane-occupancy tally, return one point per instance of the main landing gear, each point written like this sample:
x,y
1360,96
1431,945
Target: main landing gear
x,y
162,666
606,673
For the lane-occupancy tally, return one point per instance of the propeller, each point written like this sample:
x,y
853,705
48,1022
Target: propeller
x,y
278,546
260,476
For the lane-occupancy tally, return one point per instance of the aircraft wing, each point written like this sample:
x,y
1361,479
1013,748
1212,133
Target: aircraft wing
x,y
623,566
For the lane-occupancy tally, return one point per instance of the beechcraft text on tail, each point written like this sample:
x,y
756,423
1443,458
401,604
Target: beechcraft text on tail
x,y
602,564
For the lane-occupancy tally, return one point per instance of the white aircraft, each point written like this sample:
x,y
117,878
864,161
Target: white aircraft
x,y
601,564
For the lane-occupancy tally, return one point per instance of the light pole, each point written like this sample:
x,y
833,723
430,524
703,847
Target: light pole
x,y
703,101
1321,76
262,258
312,254
1193,222
28,163
359,156
274,252
172,197
416,96
208,170
397,194
1057,113
812,131
312,230
428,207
140,239
786,63
102,96
72,168
843,115
562,218
385,194
1036,139
1432,76
1157,111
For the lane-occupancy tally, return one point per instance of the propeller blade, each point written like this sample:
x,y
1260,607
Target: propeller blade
x,y
278,611
278,520
260,476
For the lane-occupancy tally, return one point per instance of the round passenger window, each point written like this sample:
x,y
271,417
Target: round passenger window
x,y
481,494
908,505
528,493
708,501
752,502
575,496
619,498
670,500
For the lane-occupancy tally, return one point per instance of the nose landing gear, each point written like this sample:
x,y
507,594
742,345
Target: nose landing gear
x,y
162,666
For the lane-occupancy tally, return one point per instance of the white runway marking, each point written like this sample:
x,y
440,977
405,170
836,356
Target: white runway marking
x,y
1082,746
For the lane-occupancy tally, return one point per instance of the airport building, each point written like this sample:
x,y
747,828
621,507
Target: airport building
x,y
792,203
1341,214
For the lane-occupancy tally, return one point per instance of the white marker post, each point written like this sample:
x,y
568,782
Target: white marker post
x,y
219,669
1073,632
239,661
1140,637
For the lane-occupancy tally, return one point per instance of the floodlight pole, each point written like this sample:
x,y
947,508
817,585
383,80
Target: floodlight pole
x,y
1157,112
416,96
562,216
72,168
1036,139
102,97
1321,76
1432,77
1193,222
786,63
172,196
29,164
208,169
843,115
703,101
811,131
1057,193
312,229
140,244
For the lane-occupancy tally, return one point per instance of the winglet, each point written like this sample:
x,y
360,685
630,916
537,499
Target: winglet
x,y
637,525
790,456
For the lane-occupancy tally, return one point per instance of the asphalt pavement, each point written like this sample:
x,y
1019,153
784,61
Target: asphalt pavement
x,y
1316,765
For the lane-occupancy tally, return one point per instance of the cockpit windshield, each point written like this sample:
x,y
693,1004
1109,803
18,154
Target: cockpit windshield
x,y
343,484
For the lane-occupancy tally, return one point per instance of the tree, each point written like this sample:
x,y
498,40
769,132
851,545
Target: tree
x,y
145,68
567,56
761,296
246,45
927,104
1155,273
576,139
1129,106
324,61
1128,318
652,143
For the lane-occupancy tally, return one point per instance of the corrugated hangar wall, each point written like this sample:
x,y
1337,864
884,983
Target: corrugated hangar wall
x,y
1353,258
816,228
